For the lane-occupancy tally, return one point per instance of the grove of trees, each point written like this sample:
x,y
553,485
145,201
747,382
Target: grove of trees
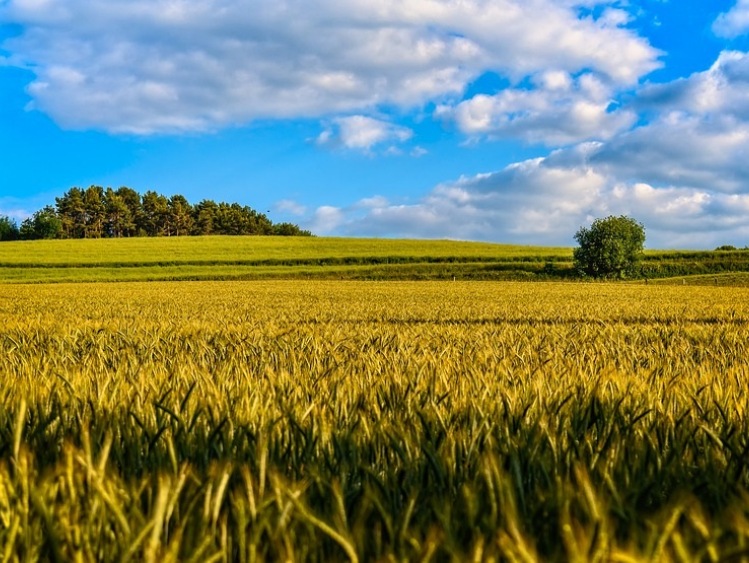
x,y
96,212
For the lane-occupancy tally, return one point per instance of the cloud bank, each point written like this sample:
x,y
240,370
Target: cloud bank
x,y
573,75
544,201
682,172
559,109
155,66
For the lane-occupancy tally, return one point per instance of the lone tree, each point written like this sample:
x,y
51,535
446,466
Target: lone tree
x,y
611,247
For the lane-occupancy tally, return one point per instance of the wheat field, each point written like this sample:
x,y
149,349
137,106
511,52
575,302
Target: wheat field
x,y
322,420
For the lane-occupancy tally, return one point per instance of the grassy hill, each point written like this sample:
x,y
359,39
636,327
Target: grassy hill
x,y
238,258
225,257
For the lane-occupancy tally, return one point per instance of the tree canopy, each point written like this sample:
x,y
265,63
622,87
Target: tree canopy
x,y
8,228
96,212
611,247
43,224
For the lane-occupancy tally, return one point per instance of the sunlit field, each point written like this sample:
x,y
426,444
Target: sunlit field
x,y
252,258
318,421
244,249
245,258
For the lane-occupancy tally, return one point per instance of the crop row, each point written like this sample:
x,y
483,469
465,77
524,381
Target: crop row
x,y
325,421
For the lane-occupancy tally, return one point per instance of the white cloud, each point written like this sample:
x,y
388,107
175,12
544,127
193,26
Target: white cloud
x,y
558,110
682,173
360,132
290,207
545,201
735,22
326,220
373,202
722,90
698,132
146,66
681,150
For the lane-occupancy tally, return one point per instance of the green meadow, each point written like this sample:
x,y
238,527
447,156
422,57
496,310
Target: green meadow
x,y
225,257
251,257
250,249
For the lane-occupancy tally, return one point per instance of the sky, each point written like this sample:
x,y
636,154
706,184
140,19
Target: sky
x,y
510,121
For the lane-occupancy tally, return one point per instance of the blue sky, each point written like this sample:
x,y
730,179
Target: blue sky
x,y
501,120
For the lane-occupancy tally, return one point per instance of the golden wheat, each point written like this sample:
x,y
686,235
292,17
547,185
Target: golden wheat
x,y
334,420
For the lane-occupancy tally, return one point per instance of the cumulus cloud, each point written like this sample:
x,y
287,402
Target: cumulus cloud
x,y
146,66
682,172
735,22
681,150
529,201
698,132
360,132
720,90
327,219
545,201
558,109
290,207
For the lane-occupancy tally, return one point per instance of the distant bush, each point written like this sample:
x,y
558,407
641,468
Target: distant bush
x,y
726,247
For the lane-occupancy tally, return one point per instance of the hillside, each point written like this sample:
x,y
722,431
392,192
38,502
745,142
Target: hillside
x,y
225,257
253,257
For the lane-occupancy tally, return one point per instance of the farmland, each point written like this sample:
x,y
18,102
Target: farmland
x,y
227,258
333,420
238,258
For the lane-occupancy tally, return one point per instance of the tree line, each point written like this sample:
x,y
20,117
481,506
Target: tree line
x,y
96,212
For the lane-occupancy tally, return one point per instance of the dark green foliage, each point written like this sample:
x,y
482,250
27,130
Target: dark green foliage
x,y
155,214
8,228
726,247
289,229
118,215
43,224
72,212
179,216
106,213
611,247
